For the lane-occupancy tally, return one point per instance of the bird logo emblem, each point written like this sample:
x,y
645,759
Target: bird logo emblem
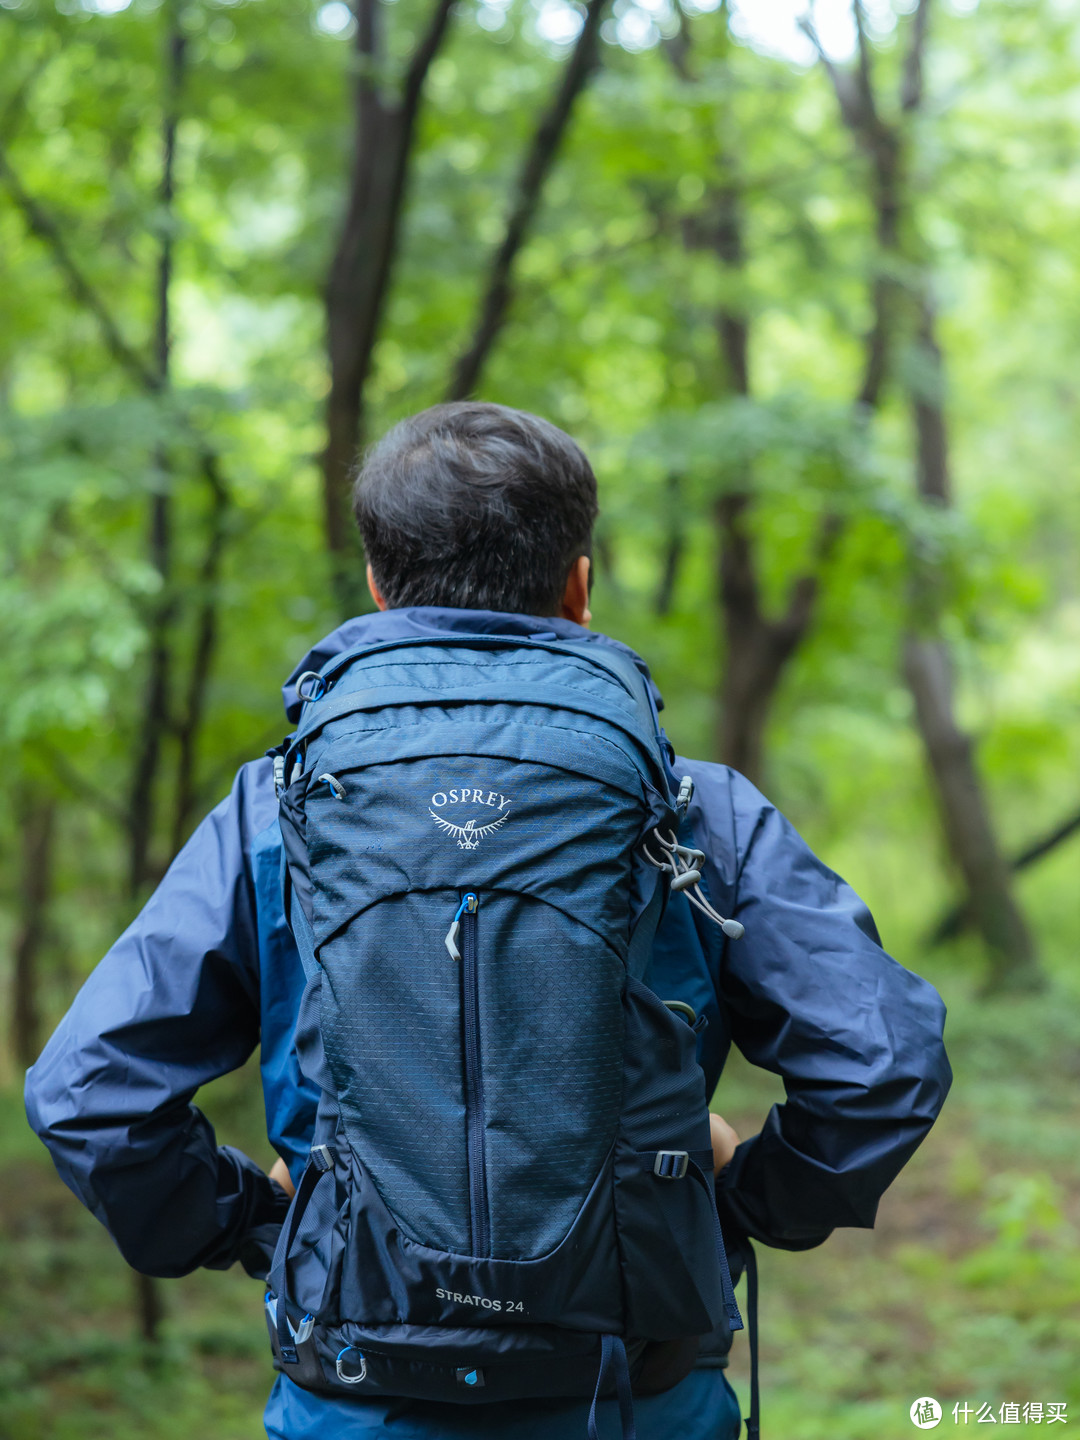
x,y
469,835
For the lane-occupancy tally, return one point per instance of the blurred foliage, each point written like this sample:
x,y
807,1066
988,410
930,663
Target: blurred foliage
x,y
970,1286
968,1289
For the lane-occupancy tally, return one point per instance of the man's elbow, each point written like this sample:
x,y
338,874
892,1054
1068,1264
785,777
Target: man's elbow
x,y
909,1075
926,1062
51,1112
936,1081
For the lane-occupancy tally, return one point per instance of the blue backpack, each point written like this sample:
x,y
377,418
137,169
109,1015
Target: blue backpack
x,y
510,1192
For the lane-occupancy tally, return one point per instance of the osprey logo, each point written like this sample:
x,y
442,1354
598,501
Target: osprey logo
x,y
476,828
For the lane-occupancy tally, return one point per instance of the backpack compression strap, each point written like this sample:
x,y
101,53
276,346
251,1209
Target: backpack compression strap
x,y
753,1420
613,1357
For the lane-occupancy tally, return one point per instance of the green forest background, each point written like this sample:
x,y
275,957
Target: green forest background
x,y
812,307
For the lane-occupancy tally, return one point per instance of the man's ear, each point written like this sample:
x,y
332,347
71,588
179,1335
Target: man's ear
x,y
376,594
575,601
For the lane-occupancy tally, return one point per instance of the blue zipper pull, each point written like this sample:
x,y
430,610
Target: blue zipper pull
x,y
471,904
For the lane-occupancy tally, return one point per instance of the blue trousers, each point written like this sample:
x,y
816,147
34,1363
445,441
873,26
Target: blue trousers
x,y
701,1407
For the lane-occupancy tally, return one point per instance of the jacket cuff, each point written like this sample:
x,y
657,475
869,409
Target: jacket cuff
x,y
257,1246
261,1205
741,1218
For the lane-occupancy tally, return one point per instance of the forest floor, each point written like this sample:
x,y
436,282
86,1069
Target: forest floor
x,y
968,1287
967,1290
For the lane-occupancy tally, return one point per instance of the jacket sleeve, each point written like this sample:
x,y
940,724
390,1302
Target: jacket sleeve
x,y
810,995
172,1005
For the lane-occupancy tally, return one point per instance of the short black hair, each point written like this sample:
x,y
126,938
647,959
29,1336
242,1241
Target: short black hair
x,y
475,507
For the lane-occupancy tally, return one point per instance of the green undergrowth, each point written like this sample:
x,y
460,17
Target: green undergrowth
x,y
968,1289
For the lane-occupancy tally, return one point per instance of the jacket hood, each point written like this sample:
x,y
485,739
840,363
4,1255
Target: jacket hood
x,y
419,620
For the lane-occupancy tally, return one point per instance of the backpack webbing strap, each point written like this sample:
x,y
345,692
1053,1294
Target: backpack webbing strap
x,y
319,714
753,1420
617,664
613,1357
701,1167
299,924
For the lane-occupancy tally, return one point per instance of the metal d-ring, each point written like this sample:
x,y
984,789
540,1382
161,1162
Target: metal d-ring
x,y
680,1007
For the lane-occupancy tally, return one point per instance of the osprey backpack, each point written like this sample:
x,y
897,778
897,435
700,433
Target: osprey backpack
x,y
510,1190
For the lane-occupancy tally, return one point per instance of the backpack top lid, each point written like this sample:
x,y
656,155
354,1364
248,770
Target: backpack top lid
x,y
592,681
434,622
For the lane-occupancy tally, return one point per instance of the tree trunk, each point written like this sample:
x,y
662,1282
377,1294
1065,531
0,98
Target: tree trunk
x,y
36,830
156,710
384,124
354,302
958,917
752,673
950,753
189,726
539,160
757,646
749,675
142,803
674,546
965,817
154,723
149,1309
902,311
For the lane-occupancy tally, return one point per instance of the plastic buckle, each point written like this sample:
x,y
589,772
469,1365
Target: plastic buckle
x,y
671,1164
323,1157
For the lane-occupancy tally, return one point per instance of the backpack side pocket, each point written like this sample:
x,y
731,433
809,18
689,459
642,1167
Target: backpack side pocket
x,y
305,1278
665,1210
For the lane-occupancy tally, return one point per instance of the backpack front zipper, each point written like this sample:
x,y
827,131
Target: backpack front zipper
x,y
474,1080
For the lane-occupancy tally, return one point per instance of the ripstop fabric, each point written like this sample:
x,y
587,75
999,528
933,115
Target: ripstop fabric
x,y
463,820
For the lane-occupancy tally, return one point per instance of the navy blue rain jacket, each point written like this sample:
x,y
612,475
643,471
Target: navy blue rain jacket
x,y
209,970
